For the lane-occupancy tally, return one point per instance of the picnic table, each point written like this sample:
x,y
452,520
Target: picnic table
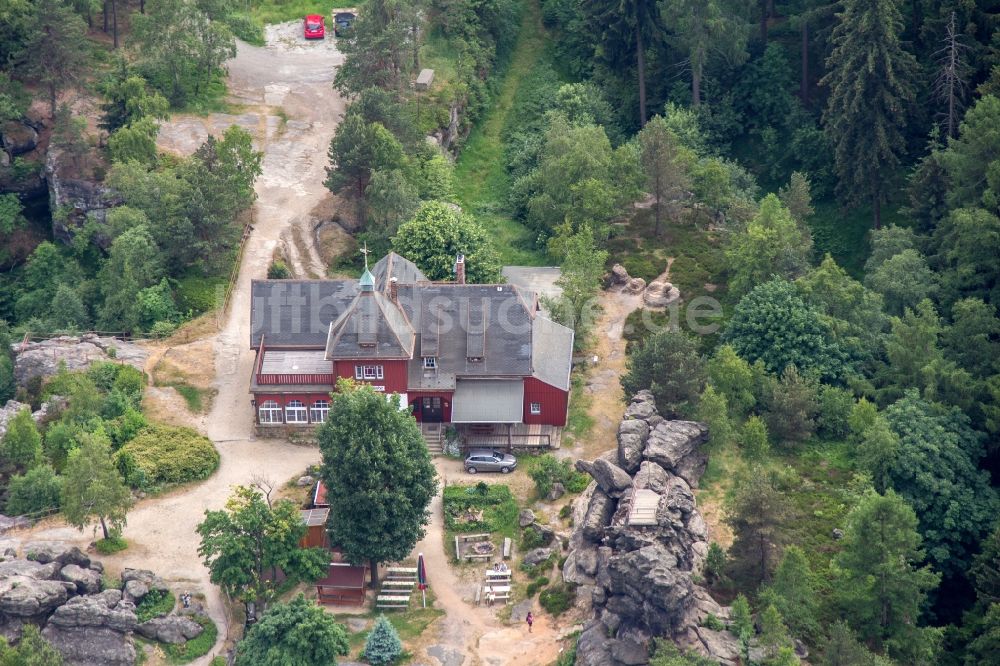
x,y
497,575
392,601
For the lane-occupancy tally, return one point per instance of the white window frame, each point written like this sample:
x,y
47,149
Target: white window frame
x,y
430,363
368,372
535,408
270,412
295,412
319,410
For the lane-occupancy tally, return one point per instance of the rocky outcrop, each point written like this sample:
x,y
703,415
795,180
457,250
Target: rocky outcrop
x,y
10,410
170,629
90,631
59,589
18,137
75,200
660,293
619,276
44,358
638,579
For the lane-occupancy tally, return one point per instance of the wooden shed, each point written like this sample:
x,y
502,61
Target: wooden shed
x,y
316,534
344,585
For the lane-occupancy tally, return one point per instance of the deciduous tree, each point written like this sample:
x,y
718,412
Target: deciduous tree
x,y
298,632
772,244
246,546
437,234
580,280
57,51
22,444
792,407
378,475
93,488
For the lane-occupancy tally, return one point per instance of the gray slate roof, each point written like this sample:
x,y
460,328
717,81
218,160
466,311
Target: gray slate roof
x,y
454,323
297,312
372,326
551,352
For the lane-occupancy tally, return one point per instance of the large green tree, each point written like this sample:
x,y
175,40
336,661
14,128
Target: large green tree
x,y
773,324
296,633
771,244
31,650
973,159
57,50
132,266
359,149
669,364
22,444
93,488
250,543
870,78
437,234
936,471
756,512
663,163
883,581
580,281
378,475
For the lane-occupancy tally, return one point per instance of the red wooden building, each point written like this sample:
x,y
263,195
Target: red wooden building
x,y
475,354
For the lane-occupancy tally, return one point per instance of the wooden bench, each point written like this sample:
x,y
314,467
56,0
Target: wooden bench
x,y
476,556
392,601
479,593
474,537
508,547
401,573
458,551
499,576
399,583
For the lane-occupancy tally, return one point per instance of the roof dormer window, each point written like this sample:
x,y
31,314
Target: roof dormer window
x,y
430,363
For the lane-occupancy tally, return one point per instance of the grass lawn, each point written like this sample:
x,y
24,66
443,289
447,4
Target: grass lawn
x,y
410,624
266,12
480,180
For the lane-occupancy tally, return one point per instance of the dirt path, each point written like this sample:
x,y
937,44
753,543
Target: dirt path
x,y
287,102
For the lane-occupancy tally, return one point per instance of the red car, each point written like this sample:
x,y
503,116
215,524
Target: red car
x,y
314,27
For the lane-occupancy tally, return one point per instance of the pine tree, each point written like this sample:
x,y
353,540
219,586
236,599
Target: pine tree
x,y
792,407
666,178
93,488
870,80
795,593
382,647
756,513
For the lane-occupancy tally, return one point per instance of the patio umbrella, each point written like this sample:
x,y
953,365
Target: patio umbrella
x,y
422,578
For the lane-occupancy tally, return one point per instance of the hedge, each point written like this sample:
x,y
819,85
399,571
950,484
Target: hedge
x,y
161,455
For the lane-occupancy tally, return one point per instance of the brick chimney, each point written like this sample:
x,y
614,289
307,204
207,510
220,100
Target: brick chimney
x,y
460,269
393,289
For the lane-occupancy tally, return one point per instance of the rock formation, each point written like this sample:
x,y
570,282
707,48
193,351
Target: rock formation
x,y
74,200
660,294
636,571
43,358
57,587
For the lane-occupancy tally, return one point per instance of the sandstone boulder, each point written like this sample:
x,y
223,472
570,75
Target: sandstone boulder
x,y
592,647
525,518
18,137
619,275
632,434
537,556
612,479
557,491
135,590
305,481
146,577
170,629
43,358
87,581
635,285
660,294
652,476
96,611
674,445
642,406
55,551
598,515
91,646
24,596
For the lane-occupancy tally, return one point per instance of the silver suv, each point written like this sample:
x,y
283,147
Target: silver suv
x,y
488,460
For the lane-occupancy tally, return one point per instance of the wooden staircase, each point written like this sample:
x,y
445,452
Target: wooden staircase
x,y
434,437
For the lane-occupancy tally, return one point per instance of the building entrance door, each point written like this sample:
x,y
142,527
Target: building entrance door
x,y
431,411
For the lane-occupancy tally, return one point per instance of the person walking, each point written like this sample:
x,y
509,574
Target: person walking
x,y
489,595
530,619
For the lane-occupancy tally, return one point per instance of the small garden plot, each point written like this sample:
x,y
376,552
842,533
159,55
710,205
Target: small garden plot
x,y
479,516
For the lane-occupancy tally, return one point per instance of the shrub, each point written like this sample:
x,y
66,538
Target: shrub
x,y
548,470
111,545
536,585
156,603
278,270
197,294
165,454
383,647
558,598
531,538
713,623
33,492
642,266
